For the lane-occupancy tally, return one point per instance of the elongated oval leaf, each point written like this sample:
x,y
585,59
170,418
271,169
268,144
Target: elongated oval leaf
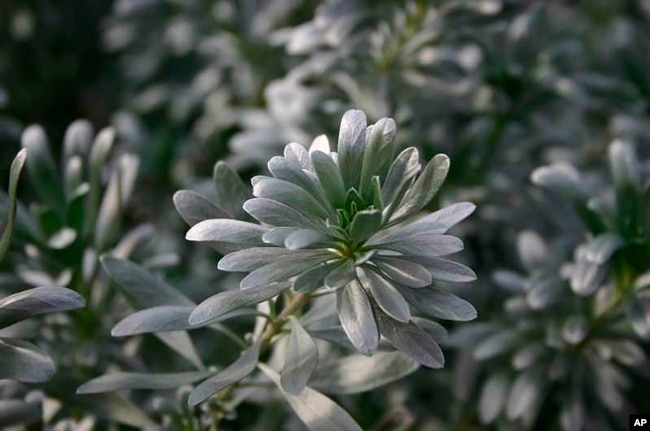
x,y
404,272
358,373
256,257
20,360
385,294
159,381
405,166
279,271
300,360
493,397
365,224
231,190
194,208
316,411
412,340
351,146
438,303
278,214
141,286
235,372
226,230
14,176
290,194
330,178
164,318
222,303
357,318
341,275
424,188
525,391
314,278
39,300
41,168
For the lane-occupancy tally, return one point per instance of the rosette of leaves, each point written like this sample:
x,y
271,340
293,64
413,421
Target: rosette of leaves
x,y
614,259
19,359
75,214
341,223
550,358
356,249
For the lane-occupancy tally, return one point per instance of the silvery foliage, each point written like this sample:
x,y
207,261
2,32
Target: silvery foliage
x,y
569,337
21,360
205,66
335,234
50,263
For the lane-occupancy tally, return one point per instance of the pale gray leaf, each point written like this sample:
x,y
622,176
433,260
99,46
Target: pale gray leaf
x,y
164,318
314,409
230,375
412,340
385,294
351,146
357,318
404,272
194,207
226,230
359,373
22,361
152,381
438,303
300,360
39,300
222,303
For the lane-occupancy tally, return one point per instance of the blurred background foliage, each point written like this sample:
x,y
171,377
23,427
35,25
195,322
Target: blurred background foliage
x,y
502,87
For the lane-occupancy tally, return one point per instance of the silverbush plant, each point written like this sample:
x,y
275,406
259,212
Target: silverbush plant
x,y
570,335
50,263
331,234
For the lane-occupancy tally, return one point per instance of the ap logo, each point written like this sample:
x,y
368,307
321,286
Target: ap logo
x,y
639,422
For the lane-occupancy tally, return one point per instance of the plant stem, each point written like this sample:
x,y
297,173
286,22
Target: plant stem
x,y
273,327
